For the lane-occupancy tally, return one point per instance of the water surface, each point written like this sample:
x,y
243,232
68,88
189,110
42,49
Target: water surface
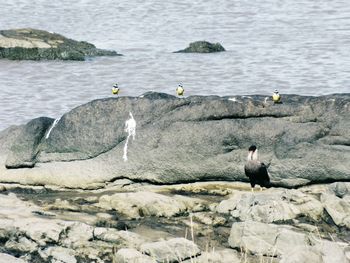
x,y
297,46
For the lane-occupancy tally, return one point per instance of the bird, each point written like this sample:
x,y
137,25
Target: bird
x,y
115,89
276,97
180,90
256,170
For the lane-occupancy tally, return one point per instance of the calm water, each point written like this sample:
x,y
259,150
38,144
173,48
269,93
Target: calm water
x,y
300,46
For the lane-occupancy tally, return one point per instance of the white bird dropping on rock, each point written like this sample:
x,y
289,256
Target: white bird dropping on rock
x,y
52,126
130,128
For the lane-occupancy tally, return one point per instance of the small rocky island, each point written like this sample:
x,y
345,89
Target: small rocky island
x,y
67,194
202,47
34,44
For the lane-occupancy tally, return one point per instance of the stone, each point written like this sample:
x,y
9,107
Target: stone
x,y
77,234
10,259
209,218
302,255
285,242
272,206
130,255
217,256
340,189
139,204
331,252
122,238
34,44
58,254
202,47
172,250
24,150
22,245
337,208
193,139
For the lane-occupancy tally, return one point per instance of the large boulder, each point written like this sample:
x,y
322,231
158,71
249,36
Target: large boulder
x,y
34,44
198,138
202,47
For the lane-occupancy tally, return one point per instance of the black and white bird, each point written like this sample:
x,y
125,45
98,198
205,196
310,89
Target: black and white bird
x,y
256,170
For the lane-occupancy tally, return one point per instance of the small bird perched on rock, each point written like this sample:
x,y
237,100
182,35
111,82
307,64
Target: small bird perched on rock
x,y
256,170
276,97
115,89
180,90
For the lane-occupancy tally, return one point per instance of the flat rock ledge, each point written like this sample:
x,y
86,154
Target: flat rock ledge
x,y
179,140
34,44
202,47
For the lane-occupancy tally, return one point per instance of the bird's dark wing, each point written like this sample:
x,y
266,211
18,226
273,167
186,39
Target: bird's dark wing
x,y
263,174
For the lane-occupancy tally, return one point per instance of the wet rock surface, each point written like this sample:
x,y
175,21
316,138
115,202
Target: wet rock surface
x,y
34,44
38,224
306,140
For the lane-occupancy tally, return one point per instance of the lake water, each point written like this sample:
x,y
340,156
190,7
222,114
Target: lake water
x,y
300,46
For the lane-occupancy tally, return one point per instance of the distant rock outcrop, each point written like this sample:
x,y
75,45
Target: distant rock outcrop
x,y
202,47
33,44
198,138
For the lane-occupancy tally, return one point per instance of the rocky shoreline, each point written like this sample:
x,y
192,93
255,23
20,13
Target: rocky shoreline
x,y
67,194
196,222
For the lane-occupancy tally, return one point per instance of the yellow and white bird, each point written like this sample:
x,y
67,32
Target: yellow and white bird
x,y
276,97
115,89
180,90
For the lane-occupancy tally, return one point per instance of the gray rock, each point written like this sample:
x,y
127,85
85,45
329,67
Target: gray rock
x,y
283,241
193,139
34,44
272,206
337,208
340,189
78,234
220,256
58,254
302,255
130,255
139,204
264,239
25,148
202,47
122,238
10,259
172,250
22,245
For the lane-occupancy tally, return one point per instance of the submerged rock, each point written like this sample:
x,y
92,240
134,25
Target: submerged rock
x,y
306,139
34,44
202,47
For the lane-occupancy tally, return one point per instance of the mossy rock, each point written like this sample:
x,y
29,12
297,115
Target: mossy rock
x,y
33,44
202,47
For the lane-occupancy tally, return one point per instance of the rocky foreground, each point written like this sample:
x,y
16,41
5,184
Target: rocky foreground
x,y
196,222
81,189
34,44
